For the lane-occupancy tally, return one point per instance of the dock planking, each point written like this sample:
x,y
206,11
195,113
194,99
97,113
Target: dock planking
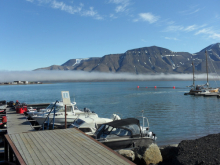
x,y
63,146
17,123
60,146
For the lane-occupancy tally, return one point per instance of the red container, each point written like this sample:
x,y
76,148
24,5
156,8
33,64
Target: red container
x,y
4,119
17,109
25,108
20,110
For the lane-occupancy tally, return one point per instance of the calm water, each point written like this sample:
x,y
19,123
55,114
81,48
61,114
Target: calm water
x,y
172,115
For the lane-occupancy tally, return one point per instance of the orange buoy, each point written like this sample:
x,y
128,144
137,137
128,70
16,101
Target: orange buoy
x,y
137,86
174,87
155,86
146,87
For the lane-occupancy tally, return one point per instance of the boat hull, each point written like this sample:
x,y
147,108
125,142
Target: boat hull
x,y
60,119
57,120
3,106
127,143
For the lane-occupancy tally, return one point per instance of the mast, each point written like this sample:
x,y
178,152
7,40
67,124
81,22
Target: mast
x,y
207,68
193,75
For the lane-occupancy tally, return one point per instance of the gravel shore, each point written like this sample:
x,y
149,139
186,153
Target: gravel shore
x,y
202,151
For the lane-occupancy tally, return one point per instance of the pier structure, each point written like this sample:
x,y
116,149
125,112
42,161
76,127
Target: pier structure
x,y
24,145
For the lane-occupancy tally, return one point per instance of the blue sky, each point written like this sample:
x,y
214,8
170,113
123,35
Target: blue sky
x,y
40,33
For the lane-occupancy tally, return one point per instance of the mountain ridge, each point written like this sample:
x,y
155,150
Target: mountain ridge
x,y
145,60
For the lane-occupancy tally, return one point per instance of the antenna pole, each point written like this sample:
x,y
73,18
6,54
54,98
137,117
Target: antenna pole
x,y
193,75
207,68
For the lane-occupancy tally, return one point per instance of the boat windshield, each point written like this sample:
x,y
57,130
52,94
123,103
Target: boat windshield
x,y
50,106
107,131
62,109
78,122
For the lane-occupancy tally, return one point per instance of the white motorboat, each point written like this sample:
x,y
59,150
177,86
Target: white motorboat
x,y
60,113
89,124
125,133
56,113
208,91
3,104
59,105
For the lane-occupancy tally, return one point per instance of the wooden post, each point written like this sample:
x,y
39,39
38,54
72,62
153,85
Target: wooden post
x,y
6,150
65,118
10,154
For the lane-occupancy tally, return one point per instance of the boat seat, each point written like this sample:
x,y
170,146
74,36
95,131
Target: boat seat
x,y
124,133
117,132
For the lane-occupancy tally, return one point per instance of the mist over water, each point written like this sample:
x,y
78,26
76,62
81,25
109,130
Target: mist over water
x,y
9,76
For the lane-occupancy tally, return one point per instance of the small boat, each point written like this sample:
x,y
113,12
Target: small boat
x,y
208,92
60,112
124,134
56,112
59,105
89,124
201,90
3,104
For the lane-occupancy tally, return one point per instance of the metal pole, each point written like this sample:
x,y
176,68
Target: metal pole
x,y
207,68
65,118
48,122
54,117
193,75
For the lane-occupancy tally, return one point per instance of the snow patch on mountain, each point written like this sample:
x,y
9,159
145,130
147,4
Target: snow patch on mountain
x,y
78,61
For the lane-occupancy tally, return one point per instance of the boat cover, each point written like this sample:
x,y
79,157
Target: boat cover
x,y
123,122
3,102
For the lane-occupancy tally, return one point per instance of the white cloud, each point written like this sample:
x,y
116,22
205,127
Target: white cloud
x,y
174,28
112,16
91,13
170,22
171,38
147,17
121,5
217,16
200,30
191,10
191,28
208,31
66,8
44,1
69,8
195,11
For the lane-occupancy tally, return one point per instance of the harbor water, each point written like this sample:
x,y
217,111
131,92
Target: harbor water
x,y
172,116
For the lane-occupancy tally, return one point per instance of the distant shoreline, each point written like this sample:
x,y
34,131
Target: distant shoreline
x,y
115,80
29,84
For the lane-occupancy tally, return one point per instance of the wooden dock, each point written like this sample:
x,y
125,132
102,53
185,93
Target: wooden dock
x,y
24,145
61,146
17,123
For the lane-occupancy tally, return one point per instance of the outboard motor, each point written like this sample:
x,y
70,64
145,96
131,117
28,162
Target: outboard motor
x,y
115,117
86,110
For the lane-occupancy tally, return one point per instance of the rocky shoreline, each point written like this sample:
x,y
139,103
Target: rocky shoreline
x,y
201,151
204,151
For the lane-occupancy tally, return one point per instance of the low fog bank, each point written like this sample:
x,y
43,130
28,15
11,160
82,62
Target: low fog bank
x,y
9,76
